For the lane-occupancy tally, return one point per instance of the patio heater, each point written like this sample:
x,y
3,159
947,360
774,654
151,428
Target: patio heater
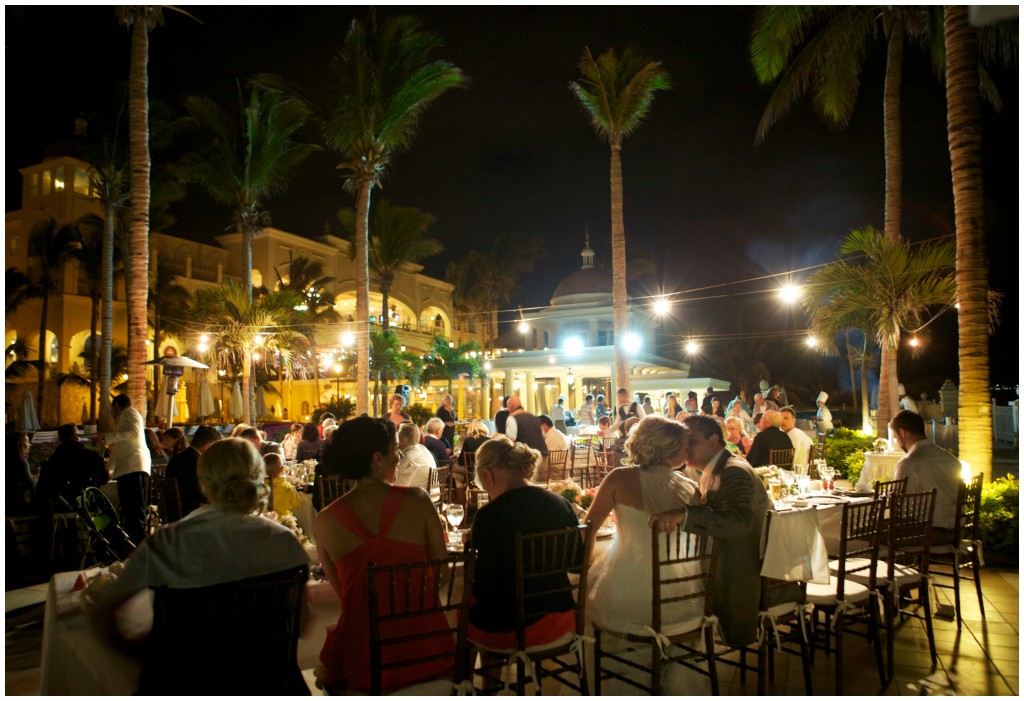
x,y
174,367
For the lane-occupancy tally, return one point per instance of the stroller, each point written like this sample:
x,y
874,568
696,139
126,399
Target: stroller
x,y
105,539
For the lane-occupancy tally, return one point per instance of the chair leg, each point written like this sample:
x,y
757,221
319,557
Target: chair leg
x,y
839,655
976,567
597,661
743,665
709,647
655,669
956,589
762,664
886,616
926,602
806,657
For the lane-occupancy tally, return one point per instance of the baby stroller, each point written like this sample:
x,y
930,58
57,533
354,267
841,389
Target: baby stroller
x,y
105,539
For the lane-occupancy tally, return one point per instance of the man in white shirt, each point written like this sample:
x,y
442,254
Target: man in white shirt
x,y
553,438
416,463
626,409
131,461
558,414
927,466
801,441
585,415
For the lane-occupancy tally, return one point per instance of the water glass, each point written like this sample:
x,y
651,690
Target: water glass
x,y
482,499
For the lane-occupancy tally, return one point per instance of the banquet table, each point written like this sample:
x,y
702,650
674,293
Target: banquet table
x,y
305,515
877,466
830,515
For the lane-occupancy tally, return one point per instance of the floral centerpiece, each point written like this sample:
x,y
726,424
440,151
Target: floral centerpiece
x,y
567,488
586,498
881,445
767,473
289,522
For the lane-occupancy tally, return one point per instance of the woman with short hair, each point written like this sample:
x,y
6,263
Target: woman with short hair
x,y
396,415
310,446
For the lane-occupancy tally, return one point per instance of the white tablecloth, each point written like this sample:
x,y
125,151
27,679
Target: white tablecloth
x,y
305,515
76,662
877,466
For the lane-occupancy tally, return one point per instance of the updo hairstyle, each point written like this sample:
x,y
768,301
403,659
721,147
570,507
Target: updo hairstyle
x,y
350,451
476,429
231,475
500,453
654,440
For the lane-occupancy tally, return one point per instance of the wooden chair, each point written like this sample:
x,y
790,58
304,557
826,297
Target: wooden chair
x,y
331,487
543,565
439,485
964,549
844,598
679,559
270,493
884,490
781,458
165,495
557,469
815,452
418,623
580,458
235,638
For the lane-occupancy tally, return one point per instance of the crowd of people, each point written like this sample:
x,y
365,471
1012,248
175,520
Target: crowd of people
x,y
686,466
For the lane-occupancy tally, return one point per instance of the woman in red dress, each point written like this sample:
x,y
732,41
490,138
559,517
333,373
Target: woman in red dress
x,y
375,522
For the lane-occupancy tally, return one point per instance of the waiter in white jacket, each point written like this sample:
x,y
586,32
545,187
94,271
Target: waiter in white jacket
x,y
131,466
824,417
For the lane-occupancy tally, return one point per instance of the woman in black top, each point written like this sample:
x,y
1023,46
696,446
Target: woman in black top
x,y
446,412
476,436
310,446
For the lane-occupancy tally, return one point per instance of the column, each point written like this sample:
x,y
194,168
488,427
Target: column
x,y
527,393
485,399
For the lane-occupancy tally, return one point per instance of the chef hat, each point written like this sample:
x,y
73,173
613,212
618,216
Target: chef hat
x,y
765,386
900,389
822,397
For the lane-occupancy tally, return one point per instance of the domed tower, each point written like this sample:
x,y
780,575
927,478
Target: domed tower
x,y
589,284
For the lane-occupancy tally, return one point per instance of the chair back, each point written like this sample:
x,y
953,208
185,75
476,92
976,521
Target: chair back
x,y
781,458
883,490
439,484
697,554
910,529
418,623
968,509
544,561
332,487
858,540
164,493
234,638
557,464
815,452
270,493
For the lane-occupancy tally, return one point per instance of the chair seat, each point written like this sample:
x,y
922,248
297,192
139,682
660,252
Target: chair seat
x,y
553,645
904,574
689,625
825,594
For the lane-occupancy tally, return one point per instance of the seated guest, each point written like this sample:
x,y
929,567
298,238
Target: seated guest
x,y
769,437
173,441
416,462
432,439
505,470
20,487
801,441
326,419
223,541
310,446
476,436
375,522
736,435
555,439
329,430
604,426
927,466
184,467
397,416
620,578
70,469
621,434
285,498
157,455
236,432
255,436
291,441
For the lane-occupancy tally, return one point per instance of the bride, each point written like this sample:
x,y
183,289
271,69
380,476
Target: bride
x,y
619,600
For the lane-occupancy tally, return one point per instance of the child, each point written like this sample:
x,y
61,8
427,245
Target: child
x,y
286,499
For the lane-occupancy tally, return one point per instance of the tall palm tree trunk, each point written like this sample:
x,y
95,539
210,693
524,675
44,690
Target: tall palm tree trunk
x,y
964,130
888,377
94,354
246,385
44,357
865,404
618,271
247,237
138,244
362,297
107,320
853,374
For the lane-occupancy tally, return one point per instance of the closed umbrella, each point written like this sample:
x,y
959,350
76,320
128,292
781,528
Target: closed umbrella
x,y
29,420
206,406
261,402
85,414
236,401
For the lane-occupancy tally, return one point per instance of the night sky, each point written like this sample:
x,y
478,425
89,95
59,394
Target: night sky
x,y
514,152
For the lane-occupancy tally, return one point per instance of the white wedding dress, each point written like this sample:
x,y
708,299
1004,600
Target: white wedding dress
x,y
619,600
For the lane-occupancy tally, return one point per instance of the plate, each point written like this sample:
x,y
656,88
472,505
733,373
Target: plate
x,y
605,532
824,499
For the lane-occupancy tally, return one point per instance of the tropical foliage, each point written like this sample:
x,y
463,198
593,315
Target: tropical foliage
x,y
617,92
387,363
381,85
306,279
452,362
1000,517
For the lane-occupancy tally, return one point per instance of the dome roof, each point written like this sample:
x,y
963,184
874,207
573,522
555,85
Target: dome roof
x,y
587,281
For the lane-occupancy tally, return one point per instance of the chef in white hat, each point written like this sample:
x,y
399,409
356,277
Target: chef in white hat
x,y
824,417
906,401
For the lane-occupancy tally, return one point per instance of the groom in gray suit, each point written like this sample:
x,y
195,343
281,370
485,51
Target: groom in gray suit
x,y
732,510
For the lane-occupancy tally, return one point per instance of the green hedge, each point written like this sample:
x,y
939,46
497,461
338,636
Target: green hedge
x,y
1000,517
844,450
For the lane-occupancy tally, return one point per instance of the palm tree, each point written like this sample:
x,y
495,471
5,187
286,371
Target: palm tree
x,y
306,279
961,45
386,363
485,282
383,82
617,92
169,306
446,361
51,246
398,235
885,289
16,355
827,323
89,254
16,288
248,159
240,324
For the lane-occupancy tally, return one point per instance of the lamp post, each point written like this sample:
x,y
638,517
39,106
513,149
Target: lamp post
x,y
337,380
173,368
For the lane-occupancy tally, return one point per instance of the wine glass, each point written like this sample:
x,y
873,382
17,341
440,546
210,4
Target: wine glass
x,y
828,476
455,514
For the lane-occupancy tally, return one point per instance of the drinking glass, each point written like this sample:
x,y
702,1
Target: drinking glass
x,y
455,514
828,478
482,499
773,485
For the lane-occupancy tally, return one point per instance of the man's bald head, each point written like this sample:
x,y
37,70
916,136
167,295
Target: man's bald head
x,y
514,402
770,418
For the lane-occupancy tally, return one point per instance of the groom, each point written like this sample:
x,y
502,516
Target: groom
x,y
732,510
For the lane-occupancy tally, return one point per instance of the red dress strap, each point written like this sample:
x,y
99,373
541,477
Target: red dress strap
x,y
392,504
348,519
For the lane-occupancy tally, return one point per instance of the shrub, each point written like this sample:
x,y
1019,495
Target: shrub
x,y
1000,513
844,450
419,413
341,408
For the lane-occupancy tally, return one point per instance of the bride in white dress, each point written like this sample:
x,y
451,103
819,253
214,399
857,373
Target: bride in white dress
x,y
619,600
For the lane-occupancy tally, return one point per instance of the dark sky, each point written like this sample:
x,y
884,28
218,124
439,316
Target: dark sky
x,y
515,153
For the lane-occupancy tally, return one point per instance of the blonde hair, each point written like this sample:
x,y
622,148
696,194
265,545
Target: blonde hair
x,y
231,474
654,440
476,429
272,464
737,421
500,453
237,430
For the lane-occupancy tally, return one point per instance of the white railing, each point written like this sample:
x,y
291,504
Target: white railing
x,y
946,437
1004,424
